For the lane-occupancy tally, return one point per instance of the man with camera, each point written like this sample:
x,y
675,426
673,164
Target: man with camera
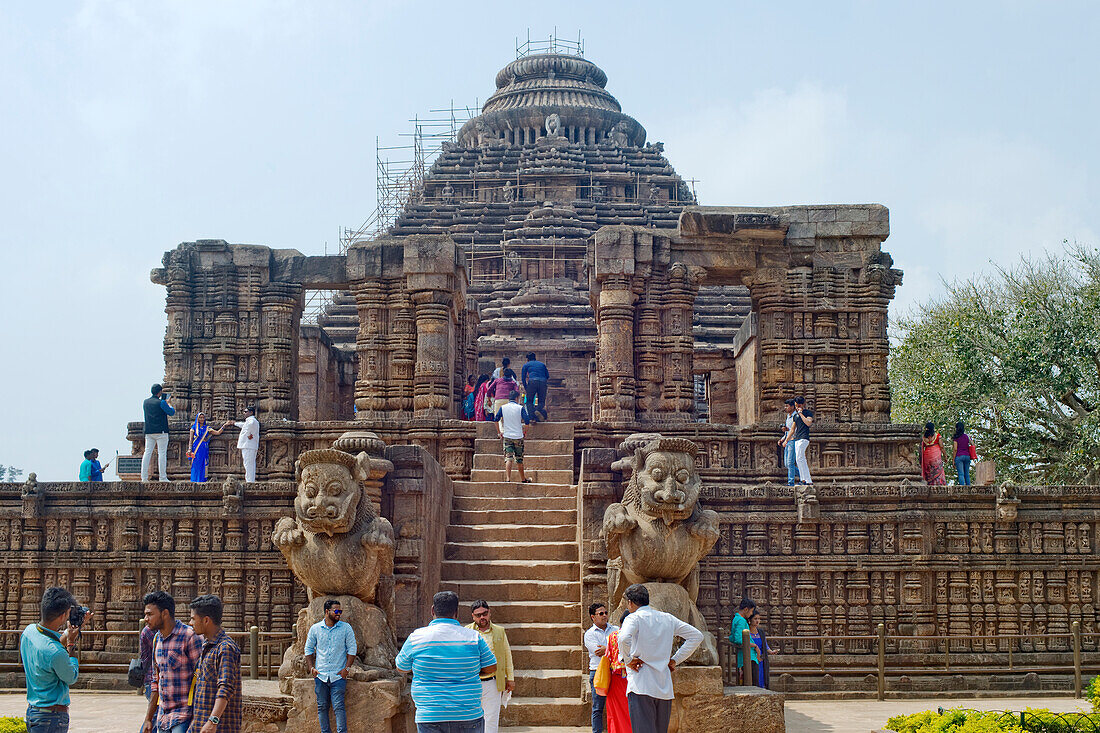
x,y
50,662
157,411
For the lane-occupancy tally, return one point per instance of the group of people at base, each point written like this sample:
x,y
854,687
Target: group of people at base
x,y
932,454
487,393
157,409
796,440
191,673
630,666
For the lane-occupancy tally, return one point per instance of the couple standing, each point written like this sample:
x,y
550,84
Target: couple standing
x,y
796,440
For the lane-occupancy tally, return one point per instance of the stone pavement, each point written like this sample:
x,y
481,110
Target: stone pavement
x,y
111,712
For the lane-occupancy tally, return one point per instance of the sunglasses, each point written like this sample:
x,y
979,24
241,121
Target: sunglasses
x,y
337,612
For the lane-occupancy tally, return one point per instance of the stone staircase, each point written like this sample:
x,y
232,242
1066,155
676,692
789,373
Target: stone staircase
x,y
515,546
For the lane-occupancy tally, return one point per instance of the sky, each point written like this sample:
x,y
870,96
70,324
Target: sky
x,y
129,127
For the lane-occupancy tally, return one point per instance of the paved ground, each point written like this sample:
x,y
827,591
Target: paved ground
x,y
112,712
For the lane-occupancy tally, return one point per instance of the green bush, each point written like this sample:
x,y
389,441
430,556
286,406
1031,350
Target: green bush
x,y
1092,693
12,725
974,721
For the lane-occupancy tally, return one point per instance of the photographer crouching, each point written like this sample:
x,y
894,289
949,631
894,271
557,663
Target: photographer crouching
x,y
49,660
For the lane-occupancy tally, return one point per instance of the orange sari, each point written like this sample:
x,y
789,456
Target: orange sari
x,y
618,715
931,461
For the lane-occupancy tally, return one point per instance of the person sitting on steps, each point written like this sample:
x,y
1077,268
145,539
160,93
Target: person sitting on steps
x,y
511,424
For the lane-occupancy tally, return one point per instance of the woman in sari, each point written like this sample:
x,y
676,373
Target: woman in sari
x,y
198,446
481,394
760,641
618,714
931,457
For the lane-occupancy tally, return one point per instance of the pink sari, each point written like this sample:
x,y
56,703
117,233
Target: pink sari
x,y
479,401
931,461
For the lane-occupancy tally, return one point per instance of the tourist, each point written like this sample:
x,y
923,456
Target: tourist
x,y
931,457
964,453
468,397
86,467
741,624
494,686
199,446
482,401
760,647
595,641
788,445
145,651
511,424
502,388
49,660
248,441
618,709
504,364
447,662
157,410
534,377
176,653
330,652
96,469
217,697
645,642
799,434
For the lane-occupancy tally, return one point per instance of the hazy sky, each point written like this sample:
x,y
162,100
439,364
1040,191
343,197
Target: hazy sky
x,y
128,127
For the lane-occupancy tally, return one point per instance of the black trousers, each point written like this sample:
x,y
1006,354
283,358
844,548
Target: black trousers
x,y
536,398
648,714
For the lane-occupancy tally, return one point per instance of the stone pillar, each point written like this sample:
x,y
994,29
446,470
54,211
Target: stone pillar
x,y
436,285
281,312
371,345
615,357
678,383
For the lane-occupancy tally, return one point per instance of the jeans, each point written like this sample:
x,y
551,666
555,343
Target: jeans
x,y
599,702
536,399
455,726
800,447
331,692
45,721
177,728
790,463
148,694
962,465
160,441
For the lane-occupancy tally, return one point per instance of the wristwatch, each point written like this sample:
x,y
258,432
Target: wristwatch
x,y
214,719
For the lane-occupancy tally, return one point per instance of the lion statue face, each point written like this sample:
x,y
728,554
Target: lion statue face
x,y
328,497
668,485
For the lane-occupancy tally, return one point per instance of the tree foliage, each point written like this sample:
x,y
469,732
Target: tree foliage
x,y
1016,356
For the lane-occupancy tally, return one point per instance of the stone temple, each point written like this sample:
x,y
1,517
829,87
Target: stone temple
x,y
674,332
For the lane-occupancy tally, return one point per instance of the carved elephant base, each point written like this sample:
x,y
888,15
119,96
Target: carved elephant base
x,y
381,706
672,598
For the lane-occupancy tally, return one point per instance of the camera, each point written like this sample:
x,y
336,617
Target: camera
x,y
77,614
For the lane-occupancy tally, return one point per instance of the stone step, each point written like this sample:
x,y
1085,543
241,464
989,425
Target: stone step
x,y
490,462
517,504
544,634
546,713
531,612
510,550
547,656
549,683
513,488
511,532
538,475
505,590
514,571
532,446
507,516
538,431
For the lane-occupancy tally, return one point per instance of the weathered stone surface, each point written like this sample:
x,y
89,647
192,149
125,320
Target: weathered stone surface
x,y
380,706
702,706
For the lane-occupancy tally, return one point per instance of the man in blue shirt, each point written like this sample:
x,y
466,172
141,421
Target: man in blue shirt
x,y
534,377
739,625
50,664
447,662
330,652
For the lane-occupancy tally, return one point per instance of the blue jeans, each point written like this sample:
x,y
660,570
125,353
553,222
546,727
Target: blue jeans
x,y
599,702
331,692
792,466
455,726
962,465
177,728
148,694
45,721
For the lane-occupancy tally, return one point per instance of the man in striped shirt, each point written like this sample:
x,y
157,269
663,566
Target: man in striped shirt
x,y
447,662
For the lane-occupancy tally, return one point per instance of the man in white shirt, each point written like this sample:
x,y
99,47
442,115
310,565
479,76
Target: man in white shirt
x,y
645,645
595,641
511,425
249,442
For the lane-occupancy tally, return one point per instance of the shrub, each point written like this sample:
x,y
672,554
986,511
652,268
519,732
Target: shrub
x,y
12,725
1092,693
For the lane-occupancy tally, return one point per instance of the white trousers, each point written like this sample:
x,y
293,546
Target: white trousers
x,y
800,447
160,441
248,457
490,705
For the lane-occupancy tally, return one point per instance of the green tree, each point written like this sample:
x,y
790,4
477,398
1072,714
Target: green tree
x,y
1016,356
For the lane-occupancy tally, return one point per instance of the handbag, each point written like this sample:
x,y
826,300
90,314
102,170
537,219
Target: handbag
x,y
602,681
135,675
973,452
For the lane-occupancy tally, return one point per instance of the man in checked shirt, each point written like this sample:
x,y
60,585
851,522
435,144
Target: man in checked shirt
x,y
176,652
217,702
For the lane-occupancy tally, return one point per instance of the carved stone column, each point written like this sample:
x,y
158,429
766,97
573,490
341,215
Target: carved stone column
x,y
435,283
678,382
372,347
615,357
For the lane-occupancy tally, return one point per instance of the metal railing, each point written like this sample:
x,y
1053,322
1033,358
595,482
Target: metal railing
x,y
111,651
955,660
1034,721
